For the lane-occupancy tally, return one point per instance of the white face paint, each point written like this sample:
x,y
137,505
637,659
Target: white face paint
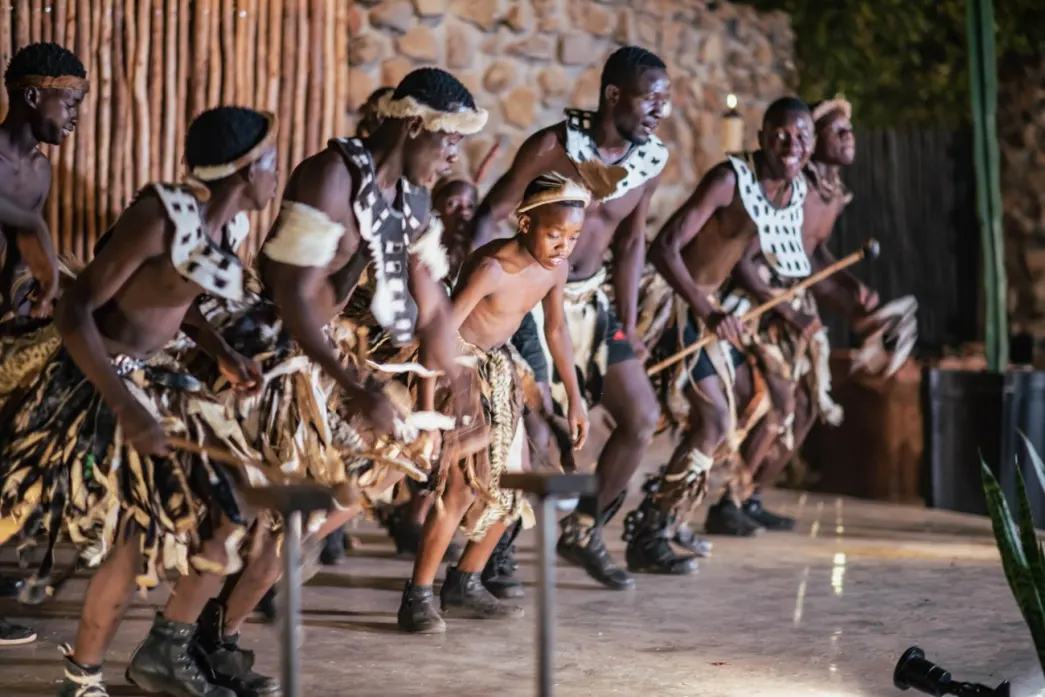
x,y
665,111
268,161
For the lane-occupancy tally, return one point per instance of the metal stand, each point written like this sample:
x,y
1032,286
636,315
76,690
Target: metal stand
x,y
293,502
546,488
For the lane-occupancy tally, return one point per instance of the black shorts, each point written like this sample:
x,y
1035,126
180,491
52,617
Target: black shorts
x,y
703,367
527,341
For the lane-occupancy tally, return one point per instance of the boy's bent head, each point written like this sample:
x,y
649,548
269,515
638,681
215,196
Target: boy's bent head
x,y
551,217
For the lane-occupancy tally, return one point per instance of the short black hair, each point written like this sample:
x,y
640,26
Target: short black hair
x,y
785,106
222,134
378,93
626,65
548,182
46,59
435,88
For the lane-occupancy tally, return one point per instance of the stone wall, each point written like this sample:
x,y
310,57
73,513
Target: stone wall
x,y
1021,131
526,60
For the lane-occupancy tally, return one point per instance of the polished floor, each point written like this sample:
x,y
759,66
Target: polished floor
x,y
824,611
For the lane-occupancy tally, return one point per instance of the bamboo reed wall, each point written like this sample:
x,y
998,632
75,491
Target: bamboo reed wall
x,y
153,65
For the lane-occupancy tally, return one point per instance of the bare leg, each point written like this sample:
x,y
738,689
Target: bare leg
x,y
108,594
192,591
629,398
439,528
261,573
476,554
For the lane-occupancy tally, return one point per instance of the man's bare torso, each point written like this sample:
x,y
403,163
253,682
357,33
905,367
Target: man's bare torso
x,y
520,284
601,219
23,181
149,309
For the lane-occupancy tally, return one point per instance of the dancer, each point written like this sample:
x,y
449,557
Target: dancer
x,y
634,96
499,285
125,498
45,85
760,197
806,364
359,205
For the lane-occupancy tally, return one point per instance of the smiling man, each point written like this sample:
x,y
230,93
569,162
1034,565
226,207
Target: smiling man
x,y
634,96
45,85
750,199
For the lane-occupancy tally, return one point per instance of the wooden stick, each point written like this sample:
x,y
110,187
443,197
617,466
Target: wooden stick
x,y
170,90
200,49
5,47
48,27
89,231
341,61
216,62
181,99
301,87
239,33
330,70
141,95
315,43
261,49
285,94
106,107
67,154
228,52
220,455
23,33
157,79
870,250
36,16
130,59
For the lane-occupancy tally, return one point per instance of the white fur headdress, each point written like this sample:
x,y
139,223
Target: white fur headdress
x,y
463,121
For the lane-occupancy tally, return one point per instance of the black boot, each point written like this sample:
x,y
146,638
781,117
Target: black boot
x,y
688,540
418,612
10,587
164,663
229,665
15,634
81,681
499,573
581,544
333,548
753,509
724,518
464,595
646,530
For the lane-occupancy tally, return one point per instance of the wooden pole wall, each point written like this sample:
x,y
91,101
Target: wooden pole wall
x,y
154,65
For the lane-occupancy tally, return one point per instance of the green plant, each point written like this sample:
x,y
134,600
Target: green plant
x,y
1022,553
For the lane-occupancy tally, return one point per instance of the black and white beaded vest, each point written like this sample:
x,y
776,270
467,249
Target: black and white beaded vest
x,y
779,229
643,162
388,230
211,265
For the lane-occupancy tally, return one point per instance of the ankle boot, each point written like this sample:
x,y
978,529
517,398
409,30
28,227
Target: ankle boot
x,y
229,665
418,612
464,595
333,548
687,539
267,606
164,663
646,530
499,573
581,544
753,509
80,681
725,518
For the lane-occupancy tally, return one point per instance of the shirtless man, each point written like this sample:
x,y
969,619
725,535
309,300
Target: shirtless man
x,y
634,96
827,199
696,251
500,283
45,85
104,389
358,205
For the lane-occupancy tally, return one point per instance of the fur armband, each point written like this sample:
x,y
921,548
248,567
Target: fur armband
x,y
306,237
429,250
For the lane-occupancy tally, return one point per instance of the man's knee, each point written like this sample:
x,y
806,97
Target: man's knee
x,y
714,423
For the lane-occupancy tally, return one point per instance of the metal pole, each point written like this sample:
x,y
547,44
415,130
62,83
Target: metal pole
x,y
545,594
291,604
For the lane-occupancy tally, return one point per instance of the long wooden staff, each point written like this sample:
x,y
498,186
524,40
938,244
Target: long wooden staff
x,y
870,251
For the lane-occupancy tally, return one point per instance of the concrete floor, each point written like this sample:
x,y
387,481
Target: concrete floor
x,y
824,611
